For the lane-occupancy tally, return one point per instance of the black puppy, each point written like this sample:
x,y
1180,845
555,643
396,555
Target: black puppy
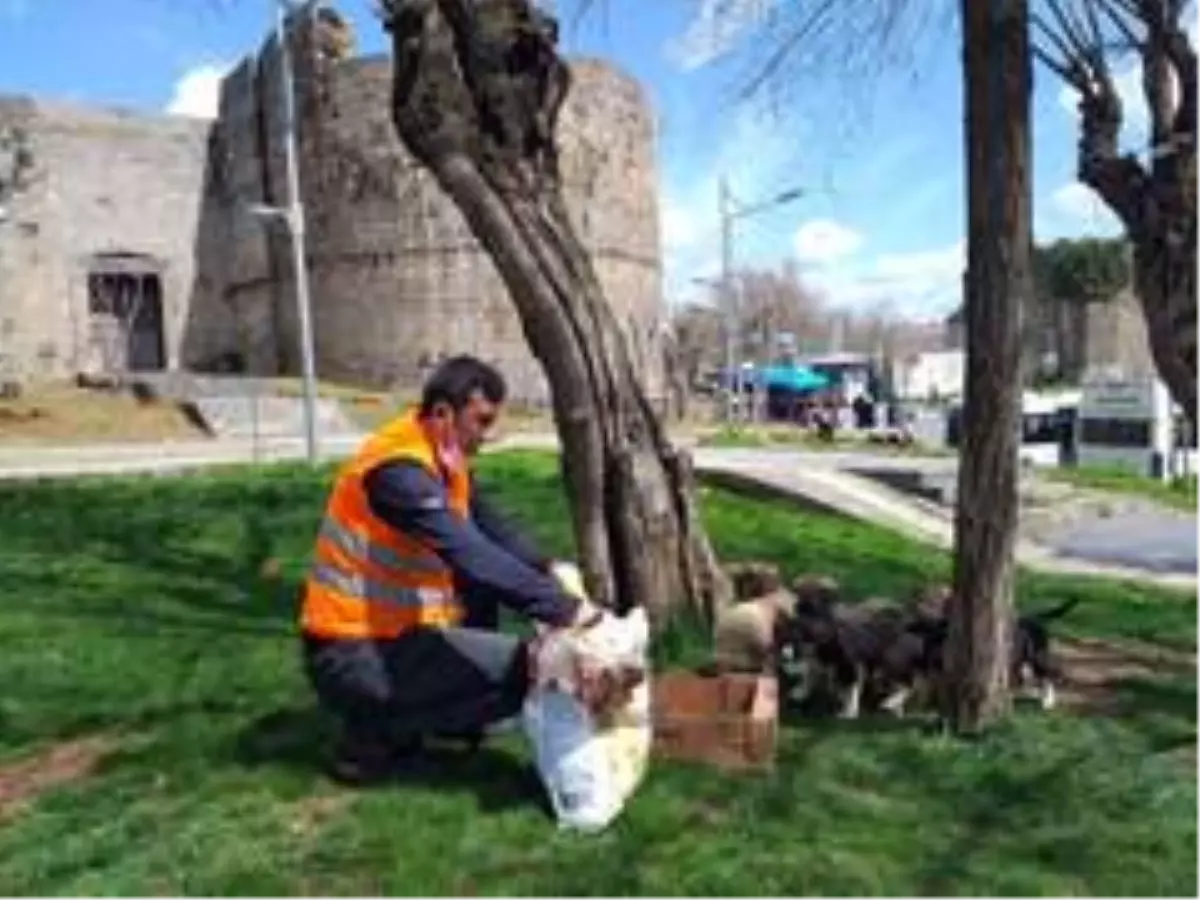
x,y
1030,660
863,652
1031,656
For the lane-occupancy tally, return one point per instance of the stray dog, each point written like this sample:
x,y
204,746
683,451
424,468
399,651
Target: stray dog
x,y
1031,662
863,650
744,635
1031,656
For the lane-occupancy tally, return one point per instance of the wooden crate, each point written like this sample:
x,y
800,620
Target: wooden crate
x,y
728,721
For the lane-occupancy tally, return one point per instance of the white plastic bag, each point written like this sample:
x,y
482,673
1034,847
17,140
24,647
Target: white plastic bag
x,y
590,767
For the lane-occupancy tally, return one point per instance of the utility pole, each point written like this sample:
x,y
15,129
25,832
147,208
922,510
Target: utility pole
x,y
724,204
294,216
728,214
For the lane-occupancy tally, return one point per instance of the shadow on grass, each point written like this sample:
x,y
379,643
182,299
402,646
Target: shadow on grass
x,y
1163,712
1000,806
301,738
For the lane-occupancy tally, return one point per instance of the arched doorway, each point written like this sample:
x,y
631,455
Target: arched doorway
x,y
125,312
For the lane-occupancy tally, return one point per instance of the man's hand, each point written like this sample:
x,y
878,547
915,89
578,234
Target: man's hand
x,y
568,575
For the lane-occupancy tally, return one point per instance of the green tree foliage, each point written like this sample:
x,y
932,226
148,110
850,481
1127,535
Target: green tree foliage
x,y
1081,271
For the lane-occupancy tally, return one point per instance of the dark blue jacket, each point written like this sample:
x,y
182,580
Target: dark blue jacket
x,y
484,551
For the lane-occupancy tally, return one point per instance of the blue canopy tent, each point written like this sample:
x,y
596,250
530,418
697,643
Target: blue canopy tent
x,y
794,379
785,386
799,379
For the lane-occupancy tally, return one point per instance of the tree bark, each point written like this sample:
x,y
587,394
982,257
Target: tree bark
x,y
476,93
996,69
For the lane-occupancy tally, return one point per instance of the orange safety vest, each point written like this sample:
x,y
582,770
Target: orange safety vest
x,y
368,580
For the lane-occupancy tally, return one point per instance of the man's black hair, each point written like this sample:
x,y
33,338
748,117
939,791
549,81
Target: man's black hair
x,y
456,379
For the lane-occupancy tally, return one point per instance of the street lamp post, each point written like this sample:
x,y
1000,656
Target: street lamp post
x,y
292,216
730,211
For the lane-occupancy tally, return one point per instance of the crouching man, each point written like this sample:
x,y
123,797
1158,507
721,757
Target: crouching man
x,y
401,603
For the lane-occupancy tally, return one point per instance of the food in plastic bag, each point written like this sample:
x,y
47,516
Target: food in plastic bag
x,y
588,716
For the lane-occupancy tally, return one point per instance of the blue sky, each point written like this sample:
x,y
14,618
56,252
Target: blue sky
x,y
882,158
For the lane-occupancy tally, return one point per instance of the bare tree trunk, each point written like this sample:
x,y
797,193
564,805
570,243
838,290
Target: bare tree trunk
x,y
477,89
997,86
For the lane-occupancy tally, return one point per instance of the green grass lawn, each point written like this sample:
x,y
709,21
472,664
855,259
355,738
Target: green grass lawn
x,y
781,436
1179,493
136,613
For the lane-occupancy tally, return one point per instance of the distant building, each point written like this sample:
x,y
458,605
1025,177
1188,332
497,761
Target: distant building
x,y
933,375
1064,339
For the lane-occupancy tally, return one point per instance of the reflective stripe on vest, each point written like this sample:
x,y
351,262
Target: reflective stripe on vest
x,y
362,588
362,547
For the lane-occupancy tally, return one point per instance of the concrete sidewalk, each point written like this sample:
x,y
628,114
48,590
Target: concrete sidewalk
x,y
812,478
869,501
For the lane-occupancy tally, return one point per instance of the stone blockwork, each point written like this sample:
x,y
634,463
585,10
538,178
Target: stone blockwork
x,y
104,189
397,279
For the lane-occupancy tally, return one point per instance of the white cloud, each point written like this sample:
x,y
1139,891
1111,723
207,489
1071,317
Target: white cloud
x,y
715,30
1073,210
921,283
679,227
197,93
1078,201
758,158
1128,84
823,241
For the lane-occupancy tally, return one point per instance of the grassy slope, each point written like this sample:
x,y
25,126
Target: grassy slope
x,y
136,609
1179,493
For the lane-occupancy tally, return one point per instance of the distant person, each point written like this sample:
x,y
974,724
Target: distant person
x,y
864,412
401,604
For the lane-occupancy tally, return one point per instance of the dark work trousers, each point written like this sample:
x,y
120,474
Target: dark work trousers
x,y
427,681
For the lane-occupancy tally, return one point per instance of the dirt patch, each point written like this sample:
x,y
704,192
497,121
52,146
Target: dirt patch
x,y
1093,670
309,814
65,414
24,781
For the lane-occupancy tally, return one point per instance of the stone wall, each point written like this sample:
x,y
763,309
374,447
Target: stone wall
x,y
102,182
397,280
1116,336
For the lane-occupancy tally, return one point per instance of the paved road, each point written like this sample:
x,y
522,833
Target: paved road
x,y
1149,539
1153,544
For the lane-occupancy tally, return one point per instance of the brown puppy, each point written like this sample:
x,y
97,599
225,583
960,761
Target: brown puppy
x,y
746,635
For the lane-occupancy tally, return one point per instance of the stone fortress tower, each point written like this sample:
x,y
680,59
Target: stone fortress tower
x,y
127,241
397,279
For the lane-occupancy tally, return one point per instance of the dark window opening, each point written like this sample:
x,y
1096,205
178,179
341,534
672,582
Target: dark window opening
x,y
131,303
1115,432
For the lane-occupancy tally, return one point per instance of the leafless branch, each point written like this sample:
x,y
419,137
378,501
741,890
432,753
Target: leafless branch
x,y
785,47
1064,63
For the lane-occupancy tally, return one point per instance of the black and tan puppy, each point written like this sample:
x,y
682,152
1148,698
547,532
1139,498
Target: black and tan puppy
x,y
858,649
1032,667
1033,660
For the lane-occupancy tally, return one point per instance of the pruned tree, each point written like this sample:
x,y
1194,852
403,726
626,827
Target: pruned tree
x,y
1153,195
477,89
1069,276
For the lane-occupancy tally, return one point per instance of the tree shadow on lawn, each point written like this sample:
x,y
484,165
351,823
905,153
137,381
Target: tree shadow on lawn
x,y
215,611
300,738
